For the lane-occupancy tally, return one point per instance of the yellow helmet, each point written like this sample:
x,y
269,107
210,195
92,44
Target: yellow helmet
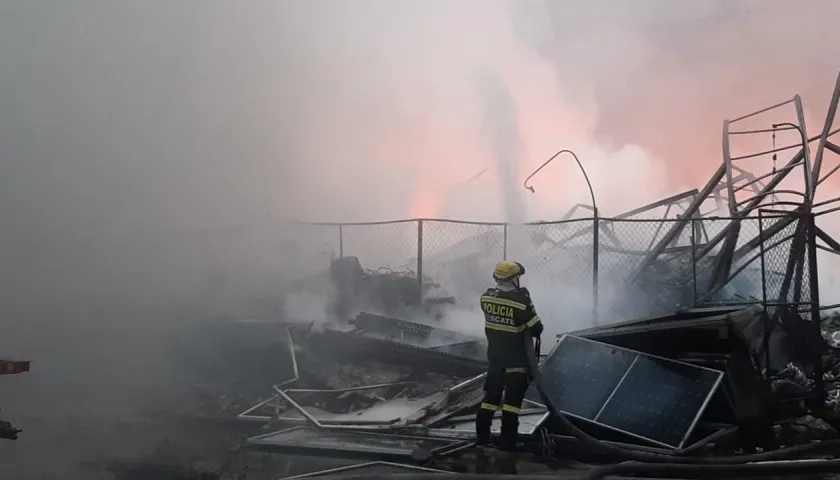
x,y
506,270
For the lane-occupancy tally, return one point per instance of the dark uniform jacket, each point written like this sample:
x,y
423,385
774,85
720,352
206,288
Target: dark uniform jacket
x,y
508,317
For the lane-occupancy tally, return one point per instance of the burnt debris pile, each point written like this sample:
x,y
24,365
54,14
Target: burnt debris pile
x,y
378,389
383,290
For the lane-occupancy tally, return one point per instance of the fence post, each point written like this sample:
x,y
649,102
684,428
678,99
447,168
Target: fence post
x,y
340,241
595,241
694,262
814,287
420,260
504,241
766,319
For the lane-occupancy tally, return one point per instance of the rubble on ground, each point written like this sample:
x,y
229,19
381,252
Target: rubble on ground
x,y
725,353
364,409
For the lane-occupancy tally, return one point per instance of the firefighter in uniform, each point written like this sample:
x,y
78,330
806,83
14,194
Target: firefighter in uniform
x,y
509,316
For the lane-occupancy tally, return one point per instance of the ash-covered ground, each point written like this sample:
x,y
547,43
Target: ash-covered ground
x,y
141,394
111,385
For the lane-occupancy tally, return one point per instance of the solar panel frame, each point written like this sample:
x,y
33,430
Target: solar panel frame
x,y
711,391
371,468
346,443
529,424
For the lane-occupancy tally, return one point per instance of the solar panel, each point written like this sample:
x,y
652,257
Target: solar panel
x,y
648,397
594,373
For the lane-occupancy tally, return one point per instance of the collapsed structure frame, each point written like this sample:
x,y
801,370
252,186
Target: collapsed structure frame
x,y
715,260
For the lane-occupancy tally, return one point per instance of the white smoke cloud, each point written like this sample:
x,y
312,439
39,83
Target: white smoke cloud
x,y
151,150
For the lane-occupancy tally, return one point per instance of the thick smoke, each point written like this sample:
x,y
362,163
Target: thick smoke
x,y
502,132
152,151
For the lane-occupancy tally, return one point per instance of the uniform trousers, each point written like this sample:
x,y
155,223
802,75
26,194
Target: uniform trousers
x,y
504,389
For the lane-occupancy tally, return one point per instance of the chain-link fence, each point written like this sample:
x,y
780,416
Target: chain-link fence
x,y
456,254
601,271
631,268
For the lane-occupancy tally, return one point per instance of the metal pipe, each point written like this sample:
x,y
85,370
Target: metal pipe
x,y
595,258
835,149
762,195
766,319
828,239
694,261
574,209
828,145
788,147
757,180
814,286
605,222
830,172
760,130
803,134
830,210
829,250
763,110
727,161
504,241
809,191
829,120
420,292
672,200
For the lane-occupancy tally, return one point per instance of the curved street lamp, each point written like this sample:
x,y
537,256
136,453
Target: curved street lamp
x,y
595,223
582,170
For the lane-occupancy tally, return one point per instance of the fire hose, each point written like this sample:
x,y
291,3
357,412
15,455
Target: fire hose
x,y
678,461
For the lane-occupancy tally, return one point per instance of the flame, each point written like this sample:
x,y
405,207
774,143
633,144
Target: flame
x,y
424,204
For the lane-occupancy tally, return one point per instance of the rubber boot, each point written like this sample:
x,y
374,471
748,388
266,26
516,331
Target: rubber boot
x,y
483,422
510,431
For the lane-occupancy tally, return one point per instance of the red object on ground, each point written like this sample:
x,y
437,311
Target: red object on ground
x,y
11,367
